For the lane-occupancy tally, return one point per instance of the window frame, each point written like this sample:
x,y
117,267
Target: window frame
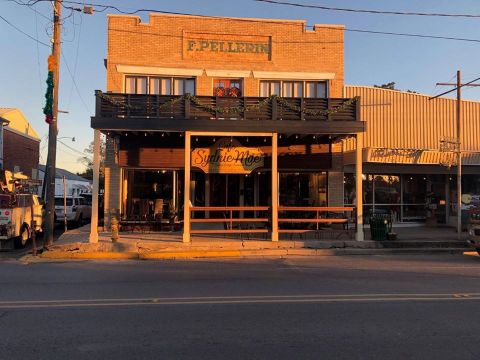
x,y
293,81
159,77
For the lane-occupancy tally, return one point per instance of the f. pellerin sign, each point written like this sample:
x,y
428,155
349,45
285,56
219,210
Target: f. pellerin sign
x,y
228,46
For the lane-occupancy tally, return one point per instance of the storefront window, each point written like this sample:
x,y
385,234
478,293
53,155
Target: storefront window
x,y
303,189
387,189
414,197
383,194
367,187
150,193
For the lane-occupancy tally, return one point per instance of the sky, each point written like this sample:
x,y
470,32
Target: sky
x,y
412,63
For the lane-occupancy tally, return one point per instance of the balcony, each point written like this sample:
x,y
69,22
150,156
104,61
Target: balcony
x,y
112,105
117,111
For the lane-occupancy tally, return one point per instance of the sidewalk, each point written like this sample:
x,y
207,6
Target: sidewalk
x,y
74,245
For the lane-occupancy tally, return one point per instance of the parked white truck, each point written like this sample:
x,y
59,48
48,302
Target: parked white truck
x,y
20,210
20,216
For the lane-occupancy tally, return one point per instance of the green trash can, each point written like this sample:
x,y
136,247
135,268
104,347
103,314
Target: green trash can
x,y
379,227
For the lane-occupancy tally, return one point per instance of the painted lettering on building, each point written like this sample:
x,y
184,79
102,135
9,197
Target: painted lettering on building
x,y
228,157
233,47
228,46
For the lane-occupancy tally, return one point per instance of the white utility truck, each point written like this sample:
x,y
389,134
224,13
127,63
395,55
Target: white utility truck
x,y
20,213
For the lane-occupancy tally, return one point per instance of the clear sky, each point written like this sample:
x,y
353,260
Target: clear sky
x,y
412,63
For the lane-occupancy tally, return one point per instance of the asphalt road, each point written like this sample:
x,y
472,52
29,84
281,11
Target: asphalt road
x,y
376,307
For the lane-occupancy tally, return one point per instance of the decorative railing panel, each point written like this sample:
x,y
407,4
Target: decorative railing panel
x,y
113,105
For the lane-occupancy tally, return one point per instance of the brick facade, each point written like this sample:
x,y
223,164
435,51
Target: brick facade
x,y
162,43
207,45
20,151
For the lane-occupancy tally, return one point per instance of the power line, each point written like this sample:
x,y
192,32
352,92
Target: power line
x,y
455,88
76,59
30,6
23,32
75,85
378,12
330,28
71,148
277,22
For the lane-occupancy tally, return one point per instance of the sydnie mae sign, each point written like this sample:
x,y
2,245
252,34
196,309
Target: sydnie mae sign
x,y
228,157
226,47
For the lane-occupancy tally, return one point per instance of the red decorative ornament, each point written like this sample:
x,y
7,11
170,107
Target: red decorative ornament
x,y
234,92
220,91
49,118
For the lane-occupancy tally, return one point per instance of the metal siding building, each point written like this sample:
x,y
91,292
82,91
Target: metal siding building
x,y
405,170
400,120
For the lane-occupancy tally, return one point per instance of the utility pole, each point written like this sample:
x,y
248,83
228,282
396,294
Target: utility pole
x,y
458,146
53,129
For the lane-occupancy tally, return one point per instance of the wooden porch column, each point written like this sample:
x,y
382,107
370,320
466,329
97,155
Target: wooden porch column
x,y
274,187
358,186
186,191
96,174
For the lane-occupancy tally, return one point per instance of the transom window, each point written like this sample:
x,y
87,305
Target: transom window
x,y
155,85
294,89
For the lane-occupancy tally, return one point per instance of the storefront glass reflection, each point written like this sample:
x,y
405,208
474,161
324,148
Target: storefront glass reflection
x,y
303,189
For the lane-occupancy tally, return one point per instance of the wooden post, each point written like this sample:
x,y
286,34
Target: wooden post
x,y
96,174
186,191
358,187
274,108
274,187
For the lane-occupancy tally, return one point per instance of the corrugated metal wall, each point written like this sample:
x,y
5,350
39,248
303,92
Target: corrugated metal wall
x,y
402,120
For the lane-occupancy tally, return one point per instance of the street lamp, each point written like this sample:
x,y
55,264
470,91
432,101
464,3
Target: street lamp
x,y
67,137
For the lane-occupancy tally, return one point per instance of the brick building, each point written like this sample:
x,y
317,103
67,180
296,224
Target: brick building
x,y
208,119
20,147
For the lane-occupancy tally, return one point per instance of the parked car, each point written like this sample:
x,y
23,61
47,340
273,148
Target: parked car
x,y
77,210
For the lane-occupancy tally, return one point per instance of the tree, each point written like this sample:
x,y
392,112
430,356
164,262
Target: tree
x,y
87,160
391,86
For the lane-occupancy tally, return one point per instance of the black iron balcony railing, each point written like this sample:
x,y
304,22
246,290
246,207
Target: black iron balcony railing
x,y
115,105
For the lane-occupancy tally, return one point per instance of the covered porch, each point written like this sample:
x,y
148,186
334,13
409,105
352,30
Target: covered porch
x,y
257,161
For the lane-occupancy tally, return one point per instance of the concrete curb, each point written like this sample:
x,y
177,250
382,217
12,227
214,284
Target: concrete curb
x,y
245,253
107,255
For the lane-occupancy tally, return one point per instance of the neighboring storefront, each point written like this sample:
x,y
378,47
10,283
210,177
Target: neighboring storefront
x,y
240,113
409,167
